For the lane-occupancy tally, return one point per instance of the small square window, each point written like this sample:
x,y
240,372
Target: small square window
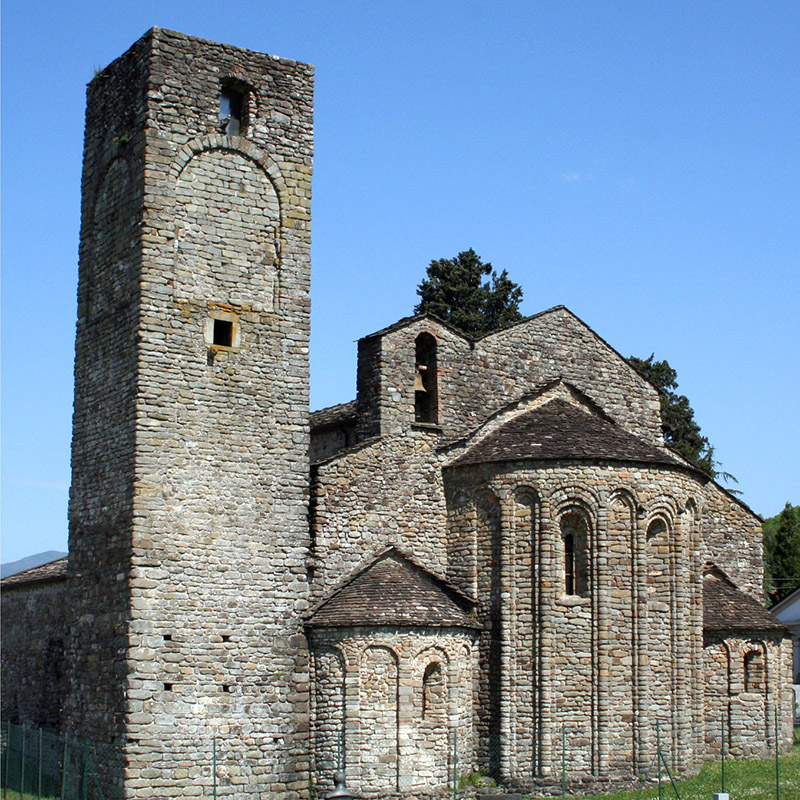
x,y
223,333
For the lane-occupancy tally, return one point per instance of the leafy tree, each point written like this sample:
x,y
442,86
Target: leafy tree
x,y
681,431
782,552
456,292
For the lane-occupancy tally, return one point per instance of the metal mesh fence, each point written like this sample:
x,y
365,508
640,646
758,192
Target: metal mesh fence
x,y
656,776
42,764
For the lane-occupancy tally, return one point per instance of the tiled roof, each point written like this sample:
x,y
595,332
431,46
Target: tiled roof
x,y
562,430
334,415
52,571
726,608
393,590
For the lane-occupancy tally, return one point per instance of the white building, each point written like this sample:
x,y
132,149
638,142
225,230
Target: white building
x,y
788,612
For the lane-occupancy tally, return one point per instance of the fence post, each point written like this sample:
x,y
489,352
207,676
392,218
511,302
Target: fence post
x,y
777,760
22,765
64,768
658,758
455,763
8,754
214,766
723,754
85,769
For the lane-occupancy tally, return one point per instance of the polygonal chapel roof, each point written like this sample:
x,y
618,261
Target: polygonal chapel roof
x,y
560,430
394,591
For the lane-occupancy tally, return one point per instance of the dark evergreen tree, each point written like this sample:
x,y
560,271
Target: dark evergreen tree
x,y
456,292
782,552
681,431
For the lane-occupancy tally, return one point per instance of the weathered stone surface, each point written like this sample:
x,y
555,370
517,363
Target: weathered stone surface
x,y
35,606
190,456
552,581
560,445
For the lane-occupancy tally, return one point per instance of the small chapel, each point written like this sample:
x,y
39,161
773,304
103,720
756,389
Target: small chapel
x,y
487,562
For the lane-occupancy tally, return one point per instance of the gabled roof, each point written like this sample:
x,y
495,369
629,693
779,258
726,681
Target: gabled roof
x,y
394,591
405,321
561,430
726,608
51,571
332,416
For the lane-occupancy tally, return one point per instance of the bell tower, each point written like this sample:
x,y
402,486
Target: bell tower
x,y
188,509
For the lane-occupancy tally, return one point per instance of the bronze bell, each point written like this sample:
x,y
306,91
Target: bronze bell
x,y
419,385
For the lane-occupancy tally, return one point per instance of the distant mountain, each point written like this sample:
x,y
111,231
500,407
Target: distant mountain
x,y
12,567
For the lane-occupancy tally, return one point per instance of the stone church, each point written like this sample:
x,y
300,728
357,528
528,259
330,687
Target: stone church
x,y
487,561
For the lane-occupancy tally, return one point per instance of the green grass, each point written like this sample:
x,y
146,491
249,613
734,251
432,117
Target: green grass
x,y
744,780
13,794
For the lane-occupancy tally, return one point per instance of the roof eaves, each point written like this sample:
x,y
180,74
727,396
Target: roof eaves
x,y
334,415
39,575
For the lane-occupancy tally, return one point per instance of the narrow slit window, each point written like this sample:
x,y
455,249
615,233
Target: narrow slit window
x,y
223,333
575,537
569,564
231,111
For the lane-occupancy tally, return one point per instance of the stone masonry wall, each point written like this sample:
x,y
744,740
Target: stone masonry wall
x,y
475,380
388,704
739,555
222,468
384,492
608,665
103,437
747,678
213,500
592,668
34,631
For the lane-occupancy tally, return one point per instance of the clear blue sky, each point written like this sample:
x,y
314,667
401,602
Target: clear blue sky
x,y
638,162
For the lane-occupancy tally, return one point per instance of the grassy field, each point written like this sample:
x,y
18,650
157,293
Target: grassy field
x,y
744,780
